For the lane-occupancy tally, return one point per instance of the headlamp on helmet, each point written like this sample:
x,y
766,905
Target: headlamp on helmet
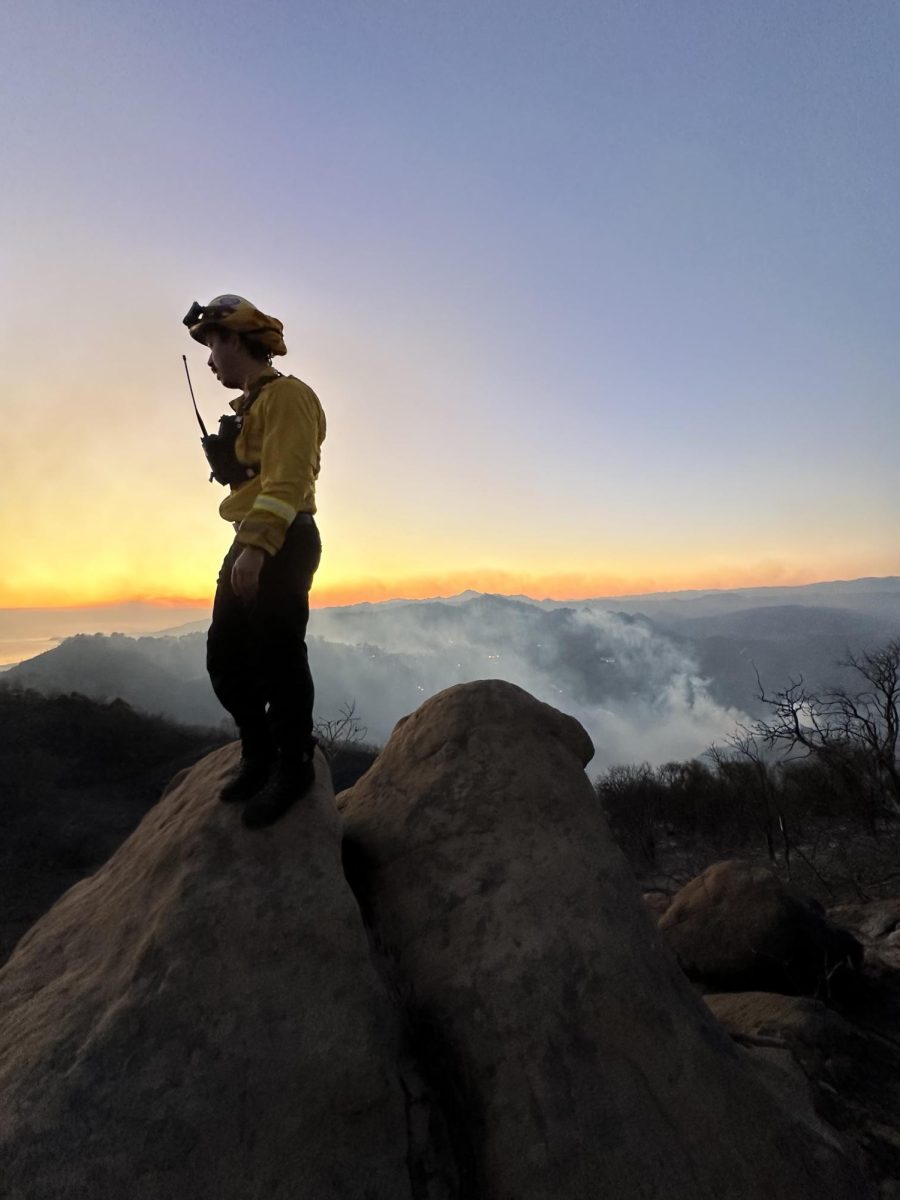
x,y
237,315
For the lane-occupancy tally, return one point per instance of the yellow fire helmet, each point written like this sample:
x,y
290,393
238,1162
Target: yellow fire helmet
x,y
238,315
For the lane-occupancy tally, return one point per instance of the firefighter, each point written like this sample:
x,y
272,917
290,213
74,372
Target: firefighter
x,y
269,454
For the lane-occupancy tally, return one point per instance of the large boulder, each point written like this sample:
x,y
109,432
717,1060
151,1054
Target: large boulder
x,y
737,927
852,1068
572,1057
877,925
202,1019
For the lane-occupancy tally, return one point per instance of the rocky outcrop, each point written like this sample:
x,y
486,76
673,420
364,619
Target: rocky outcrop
x,y
202,1019
571,1057
737,927
210,1015
853,1068
877,925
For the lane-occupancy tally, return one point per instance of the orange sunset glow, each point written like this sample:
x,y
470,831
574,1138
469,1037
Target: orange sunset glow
x,y
329,591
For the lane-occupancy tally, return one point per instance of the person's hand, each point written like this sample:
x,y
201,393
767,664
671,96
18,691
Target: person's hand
x,y
245,573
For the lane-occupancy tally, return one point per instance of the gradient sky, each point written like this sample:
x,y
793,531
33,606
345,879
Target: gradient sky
x,y
598,297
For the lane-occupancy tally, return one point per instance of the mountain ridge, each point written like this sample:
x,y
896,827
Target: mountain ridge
x,y
24,626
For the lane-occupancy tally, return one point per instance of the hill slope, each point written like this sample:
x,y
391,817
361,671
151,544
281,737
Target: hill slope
x,y
78,776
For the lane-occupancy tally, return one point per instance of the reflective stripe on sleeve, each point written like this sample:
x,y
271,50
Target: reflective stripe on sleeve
x,y
277,507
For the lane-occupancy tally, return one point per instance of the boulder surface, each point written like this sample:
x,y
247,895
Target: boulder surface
x,y
571,1056
853,1069
202,1019
877,925
737,927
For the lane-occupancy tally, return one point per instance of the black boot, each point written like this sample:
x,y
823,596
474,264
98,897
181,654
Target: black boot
x,y
253,770
292,779
249,778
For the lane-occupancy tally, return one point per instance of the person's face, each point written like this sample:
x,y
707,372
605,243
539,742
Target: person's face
x,y
227,360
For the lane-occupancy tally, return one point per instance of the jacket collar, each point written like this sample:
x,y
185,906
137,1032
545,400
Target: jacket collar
x,y
242,403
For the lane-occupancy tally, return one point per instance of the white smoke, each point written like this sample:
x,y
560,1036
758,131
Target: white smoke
x,y
635,689
637,693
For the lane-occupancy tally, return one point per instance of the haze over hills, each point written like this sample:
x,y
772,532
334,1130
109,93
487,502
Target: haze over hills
x,y
651,677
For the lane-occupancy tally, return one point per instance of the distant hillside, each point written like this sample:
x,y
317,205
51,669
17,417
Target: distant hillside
x,y
724,648
784,622
646,685
780,642
874,597
164,675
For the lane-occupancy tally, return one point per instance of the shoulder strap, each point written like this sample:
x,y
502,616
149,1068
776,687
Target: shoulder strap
x,y
251,396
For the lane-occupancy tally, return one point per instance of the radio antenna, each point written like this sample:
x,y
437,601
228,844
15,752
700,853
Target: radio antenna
x,y
196,409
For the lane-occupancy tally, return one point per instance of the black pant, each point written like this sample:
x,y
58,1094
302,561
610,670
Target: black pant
x,y
256,653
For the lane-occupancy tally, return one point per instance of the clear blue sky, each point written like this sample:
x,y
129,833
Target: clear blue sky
x,y
596,296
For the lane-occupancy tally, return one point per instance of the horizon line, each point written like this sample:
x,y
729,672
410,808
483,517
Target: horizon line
x,y
168,602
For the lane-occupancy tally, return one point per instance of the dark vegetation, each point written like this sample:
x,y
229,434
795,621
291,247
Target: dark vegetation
x,y
343,742
78,775
812,788
76,772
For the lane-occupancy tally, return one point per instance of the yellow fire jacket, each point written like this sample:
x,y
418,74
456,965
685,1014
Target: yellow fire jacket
x,y
283,432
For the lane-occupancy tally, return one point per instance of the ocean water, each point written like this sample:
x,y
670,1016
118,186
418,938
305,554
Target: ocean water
x,y
27,632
